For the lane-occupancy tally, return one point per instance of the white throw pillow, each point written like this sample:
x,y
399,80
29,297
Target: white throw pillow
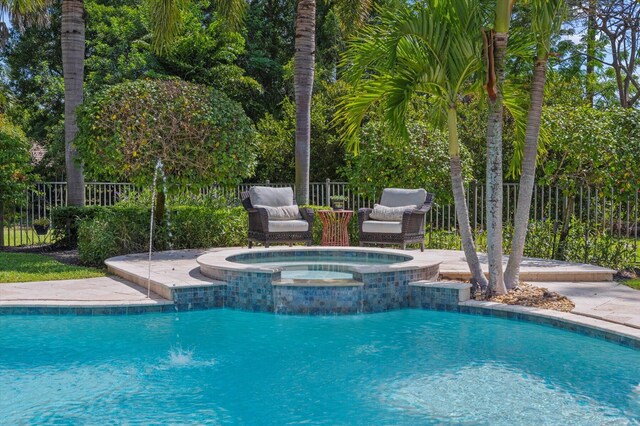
x,y
281,213
390,214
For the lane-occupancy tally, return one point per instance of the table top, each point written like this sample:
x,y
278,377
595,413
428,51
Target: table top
x,y
335,211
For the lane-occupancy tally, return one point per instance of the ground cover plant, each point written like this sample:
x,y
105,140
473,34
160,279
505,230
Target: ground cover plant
x,y
23,267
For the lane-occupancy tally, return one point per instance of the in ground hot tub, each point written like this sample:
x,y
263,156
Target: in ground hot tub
x,y
311,280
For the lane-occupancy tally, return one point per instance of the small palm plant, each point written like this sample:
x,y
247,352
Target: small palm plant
x,y
434,49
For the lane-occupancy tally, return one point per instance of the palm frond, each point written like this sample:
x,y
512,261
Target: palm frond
x,y
165,17
517,103
434,50
232,11
352,14
547,18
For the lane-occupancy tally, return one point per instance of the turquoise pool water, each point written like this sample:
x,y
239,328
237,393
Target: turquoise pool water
x,y
310,274
403,367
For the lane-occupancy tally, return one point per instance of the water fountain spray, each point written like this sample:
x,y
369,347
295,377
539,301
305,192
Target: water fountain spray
x,y
153,204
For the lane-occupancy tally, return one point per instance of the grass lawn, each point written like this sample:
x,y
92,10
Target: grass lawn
x,y
634,283
21,267
21,236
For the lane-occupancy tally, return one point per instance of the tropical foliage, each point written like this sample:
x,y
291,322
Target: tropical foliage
x,y
421,161
14,160
189,81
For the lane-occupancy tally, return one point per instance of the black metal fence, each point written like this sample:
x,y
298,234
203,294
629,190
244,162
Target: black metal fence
x,y
618,213
19,221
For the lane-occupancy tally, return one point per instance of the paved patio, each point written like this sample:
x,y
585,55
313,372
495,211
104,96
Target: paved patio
x,y
90,292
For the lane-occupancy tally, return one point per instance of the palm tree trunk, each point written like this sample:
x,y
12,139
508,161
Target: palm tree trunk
x,y
494,168
528,176
73,69
303,83
591,51
462,212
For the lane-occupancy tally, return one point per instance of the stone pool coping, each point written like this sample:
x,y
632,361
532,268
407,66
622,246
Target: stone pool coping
x,y
219,259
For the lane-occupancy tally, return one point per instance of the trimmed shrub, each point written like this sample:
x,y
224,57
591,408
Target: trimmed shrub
x,y
66,220
199,134
584,243
121,230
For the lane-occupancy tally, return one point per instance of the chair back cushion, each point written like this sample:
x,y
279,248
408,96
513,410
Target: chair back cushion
x,y
282,212
271,197
392,214
396,197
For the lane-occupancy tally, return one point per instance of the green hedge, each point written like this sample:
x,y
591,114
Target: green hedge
x,y
66,220
120,230
584,243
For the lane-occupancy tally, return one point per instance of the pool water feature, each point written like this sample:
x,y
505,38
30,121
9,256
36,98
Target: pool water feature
x,y
316,280
314,273
404,367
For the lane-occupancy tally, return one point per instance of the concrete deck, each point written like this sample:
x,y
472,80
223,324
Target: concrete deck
x,y
90,292
605,302
609,301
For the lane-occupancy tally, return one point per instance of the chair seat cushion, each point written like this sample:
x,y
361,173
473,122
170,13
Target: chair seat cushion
x,y
272,197
382,227
395,197
288,226
282,212
390,214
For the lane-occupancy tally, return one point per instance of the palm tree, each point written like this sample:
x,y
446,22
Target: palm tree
x,y
495,59
436,51
21,13
73,47
352,14
304,67
546,21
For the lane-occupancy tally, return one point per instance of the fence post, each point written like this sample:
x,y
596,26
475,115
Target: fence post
x,y
327,196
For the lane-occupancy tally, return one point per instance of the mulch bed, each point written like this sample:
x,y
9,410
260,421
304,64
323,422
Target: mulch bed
x,y
529,295
70,257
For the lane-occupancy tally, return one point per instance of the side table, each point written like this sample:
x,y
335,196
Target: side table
x,y
334,230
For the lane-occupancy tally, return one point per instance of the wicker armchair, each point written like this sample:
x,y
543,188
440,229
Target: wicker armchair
x,y
265,230
405,230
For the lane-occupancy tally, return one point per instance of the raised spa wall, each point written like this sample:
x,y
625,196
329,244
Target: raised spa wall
x,y
374,289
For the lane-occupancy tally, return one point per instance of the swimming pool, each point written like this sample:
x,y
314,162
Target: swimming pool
x,y
402,367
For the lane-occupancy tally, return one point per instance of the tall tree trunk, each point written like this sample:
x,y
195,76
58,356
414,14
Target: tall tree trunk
x,y
462,212
303,83
591,51
528,176
73,70
494,167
